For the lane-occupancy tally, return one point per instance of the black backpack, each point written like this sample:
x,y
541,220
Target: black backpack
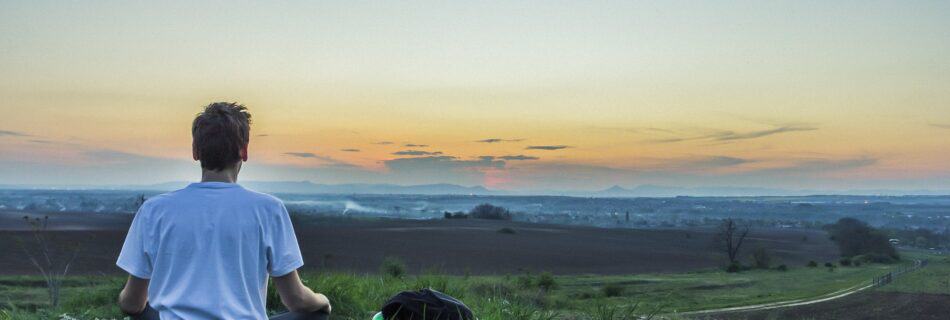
x,y
425,304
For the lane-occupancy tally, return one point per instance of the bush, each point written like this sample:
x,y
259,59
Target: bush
x,y
872,257
734,267
506,231
393,267
488,211
613,290
845,262
524,281
546,281
782,268
457,215
812,264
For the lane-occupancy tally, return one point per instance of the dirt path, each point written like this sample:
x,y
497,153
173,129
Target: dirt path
x,y
792,303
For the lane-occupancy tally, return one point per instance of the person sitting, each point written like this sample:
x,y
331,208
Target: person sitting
x,y
206,251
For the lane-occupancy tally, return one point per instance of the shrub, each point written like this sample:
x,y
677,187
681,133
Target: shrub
x,y
546,281
812,264
782,268
524,281
393,267
488,211
845,262
875,258
829,265
583,295
506,230
613,290
457,215
734,267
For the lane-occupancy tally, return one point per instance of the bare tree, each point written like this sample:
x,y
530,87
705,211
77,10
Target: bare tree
x,y
52,266
731,236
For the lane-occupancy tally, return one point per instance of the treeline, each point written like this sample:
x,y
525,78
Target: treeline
x,y
921,238
482,211
858,241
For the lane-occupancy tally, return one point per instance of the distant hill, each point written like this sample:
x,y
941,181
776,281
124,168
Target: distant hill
x,y
719,191
616,191
668,191
307,187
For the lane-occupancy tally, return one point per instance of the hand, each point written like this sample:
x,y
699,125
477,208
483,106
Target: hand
x,y
325,301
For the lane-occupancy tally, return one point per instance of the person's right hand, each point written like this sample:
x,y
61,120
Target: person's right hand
x,y
326,301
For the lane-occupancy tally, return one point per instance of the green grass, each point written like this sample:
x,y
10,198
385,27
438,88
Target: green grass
x,y
511,297
713,289
934,278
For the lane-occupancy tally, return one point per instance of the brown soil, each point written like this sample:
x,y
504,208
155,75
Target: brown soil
x,y
463,246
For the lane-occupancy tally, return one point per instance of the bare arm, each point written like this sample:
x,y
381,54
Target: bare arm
x,y
133,297
297,297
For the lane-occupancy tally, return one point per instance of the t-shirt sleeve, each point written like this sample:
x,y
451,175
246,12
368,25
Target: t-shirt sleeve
x,y
283,252
134,257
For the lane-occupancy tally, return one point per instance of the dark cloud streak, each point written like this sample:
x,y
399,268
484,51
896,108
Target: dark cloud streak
x,y
730,136
301,154
328,160
553,147
496,140
12,134
518,157
416,153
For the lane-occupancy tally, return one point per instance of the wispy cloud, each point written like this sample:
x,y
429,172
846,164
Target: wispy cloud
x,y
441,163
263,135
730,136
496,140
416,153
330,161
413,145
12,133
301,154
518,157
509,157
551,147
383,143
818,166
710,162
350,150
940,125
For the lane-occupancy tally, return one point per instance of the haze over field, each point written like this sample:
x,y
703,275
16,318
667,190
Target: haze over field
x,y
510,96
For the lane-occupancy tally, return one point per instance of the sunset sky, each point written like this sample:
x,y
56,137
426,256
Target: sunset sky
x,y
540,95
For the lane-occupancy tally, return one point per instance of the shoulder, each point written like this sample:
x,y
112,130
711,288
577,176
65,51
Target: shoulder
x,y
263,199
157,200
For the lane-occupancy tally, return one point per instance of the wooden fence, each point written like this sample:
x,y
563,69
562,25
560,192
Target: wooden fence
x,y
902,269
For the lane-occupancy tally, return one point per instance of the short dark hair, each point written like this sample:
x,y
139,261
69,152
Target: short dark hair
x,y
219,133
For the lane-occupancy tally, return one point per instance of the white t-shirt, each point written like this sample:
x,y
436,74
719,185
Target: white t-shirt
x,y
208,250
